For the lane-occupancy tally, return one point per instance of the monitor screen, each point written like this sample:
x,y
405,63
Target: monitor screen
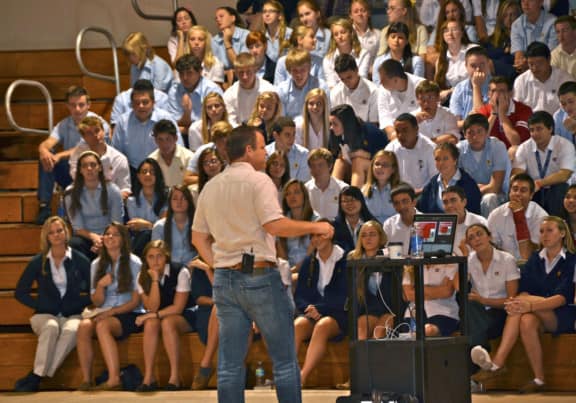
x,y
437,232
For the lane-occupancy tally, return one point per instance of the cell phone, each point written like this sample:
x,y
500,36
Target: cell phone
x,y
247,263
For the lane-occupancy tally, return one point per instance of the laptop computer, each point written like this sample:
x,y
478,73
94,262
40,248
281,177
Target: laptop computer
x,y
437,232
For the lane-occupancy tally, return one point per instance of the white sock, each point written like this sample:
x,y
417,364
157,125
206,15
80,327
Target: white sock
x,y
538,381
494,367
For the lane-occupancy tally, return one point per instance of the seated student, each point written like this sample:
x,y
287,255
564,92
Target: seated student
x,y
494,280
498,43
53,166
383,176
440,305
344,42
278,169
548,159
219,133
171,157
446,157
353,142
144,64
352,213
123,103
146,205
284,133
323,188
454,201
182,20
276,31
397,227
92,203
241,96
313,126
414,152
267,109
310,15
515,225
360,13
545,292
62,278
198,42
395,95
295,205
507,118
165,291
484,158
213,110
537,86
175,229
399,49
293,90
230,40
476,85
132,135
534,24
568,212
256,43
565,117
320,297
210,164
115,164
185,97
434,121
354,90
112,289
563,56
302,38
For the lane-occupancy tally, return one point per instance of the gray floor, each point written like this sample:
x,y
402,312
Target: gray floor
x,y
309,396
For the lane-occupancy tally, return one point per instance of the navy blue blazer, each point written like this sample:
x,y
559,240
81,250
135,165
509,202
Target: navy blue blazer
x,y
48,299
428,199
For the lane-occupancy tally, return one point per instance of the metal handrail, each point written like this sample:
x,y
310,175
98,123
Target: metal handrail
x,y
142,14
116,78
45,92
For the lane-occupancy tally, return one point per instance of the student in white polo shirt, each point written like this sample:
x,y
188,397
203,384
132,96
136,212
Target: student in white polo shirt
x,y
548,159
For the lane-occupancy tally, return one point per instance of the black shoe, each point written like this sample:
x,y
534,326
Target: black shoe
x,y
30,383
147,387
170,387
43,214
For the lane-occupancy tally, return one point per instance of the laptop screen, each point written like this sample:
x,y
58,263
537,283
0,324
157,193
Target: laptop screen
x,y
437,232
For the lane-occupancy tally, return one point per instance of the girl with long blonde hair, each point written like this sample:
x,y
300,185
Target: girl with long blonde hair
x,y
313,127
213,111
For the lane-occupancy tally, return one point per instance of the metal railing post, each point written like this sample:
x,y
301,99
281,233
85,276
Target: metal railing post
x,y
8,101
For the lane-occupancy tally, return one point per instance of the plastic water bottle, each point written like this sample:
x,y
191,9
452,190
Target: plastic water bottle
x,y
259,372
412,310
416,251
61,207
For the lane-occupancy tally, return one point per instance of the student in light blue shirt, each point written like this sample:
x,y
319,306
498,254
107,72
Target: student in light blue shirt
x,y
133,132
186,97
123,103
145,65
310,15
292,92
275,29
302,38
91,204
175,229
284,132
231,40
383,176
114,290
565,117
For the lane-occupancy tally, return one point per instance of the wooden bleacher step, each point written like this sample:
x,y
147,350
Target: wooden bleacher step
x,y
18,175
18,206
16,146
19,239
11,268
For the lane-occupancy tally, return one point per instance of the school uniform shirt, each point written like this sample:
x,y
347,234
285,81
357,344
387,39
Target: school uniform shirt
x,y
197,95
430,200
157,70
563,60
293,98
123,103
416,166
418,67
503,229
112,297
281,74
323,36
114,164
238,44
273,44
144,210
67,134
443,122
559,154
298,159
481,165
240,102
492,283
397,231
325,203
457,65
538,95
173,173
380,203
182,251
370,41
393,103
461,101
169,287
419,47
362,62
559,129
469,219
363,99
523,33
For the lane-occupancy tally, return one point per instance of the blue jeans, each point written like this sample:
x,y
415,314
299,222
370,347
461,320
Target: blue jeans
x,y
60,174
244,298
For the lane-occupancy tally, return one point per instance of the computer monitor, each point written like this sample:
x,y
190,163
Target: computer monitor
x,y
437,232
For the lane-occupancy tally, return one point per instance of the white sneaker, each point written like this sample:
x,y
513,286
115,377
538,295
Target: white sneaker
x,y
481,357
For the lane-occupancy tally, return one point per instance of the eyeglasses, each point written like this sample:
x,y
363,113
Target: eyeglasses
x,y
211,161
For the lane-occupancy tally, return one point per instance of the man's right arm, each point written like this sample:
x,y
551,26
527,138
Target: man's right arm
x,y
286,227
47,157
